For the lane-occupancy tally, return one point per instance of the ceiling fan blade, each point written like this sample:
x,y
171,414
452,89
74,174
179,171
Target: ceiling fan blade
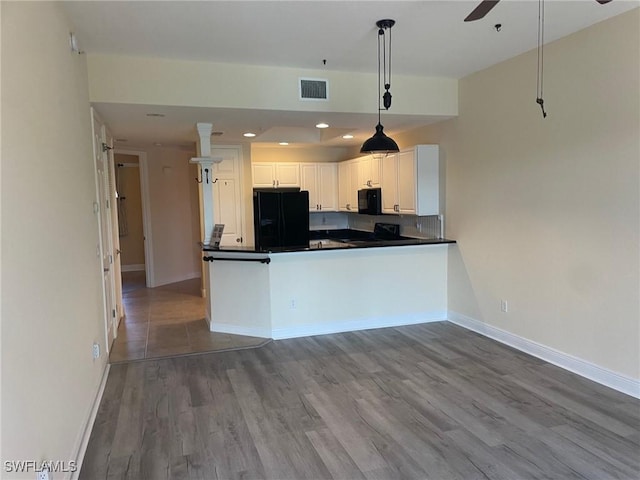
x,y
602,2
481,10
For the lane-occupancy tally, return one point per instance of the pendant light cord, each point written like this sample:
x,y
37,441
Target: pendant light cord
x,y
380,33
540,70
385,81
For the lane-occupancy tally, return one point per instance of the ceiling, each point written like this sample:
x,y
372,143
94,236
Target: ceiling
x,y
302,34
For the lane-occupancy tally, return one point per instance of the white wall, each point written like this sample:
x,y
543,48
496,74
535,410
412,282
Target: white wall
x,y
546,211
354,289
174,215
51,296
319,292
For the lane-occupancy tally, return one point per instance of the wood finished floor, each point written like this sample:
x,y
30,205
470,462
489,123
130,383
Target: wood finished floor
x,y
167,321
426,401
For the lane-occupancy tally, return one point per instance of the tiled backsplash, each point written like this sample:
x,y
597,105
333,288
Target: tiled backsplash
x,y
410,225
328,220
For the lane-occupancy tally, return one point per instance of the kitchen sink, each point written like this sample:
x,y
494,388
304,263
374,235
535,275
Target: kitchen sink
x,y
328,243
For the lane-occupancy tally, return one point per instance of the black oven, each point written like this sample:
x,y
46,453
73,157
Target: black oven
x,y
370,201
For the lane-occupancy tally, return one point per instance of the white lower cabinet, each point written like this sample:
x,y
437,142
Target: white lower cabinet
x,y
411,181
321,181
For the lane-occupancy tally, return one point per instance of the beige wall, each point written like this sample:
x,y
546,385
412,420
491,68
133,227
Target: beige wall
x,y
174,215
155,81
299,154
546,211
130,198
51,288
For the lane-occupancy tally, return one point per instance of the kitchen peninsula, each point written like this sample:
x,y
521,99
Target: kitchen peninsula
x,y
336,287
300,281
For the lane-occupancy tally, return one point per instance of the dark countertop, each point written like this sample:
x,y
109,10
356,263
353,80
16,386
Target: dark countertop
x,y
347,239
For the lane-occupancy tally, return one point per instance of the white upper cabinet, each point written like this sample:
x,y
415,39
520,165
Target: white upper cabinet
x,y
328,186
411,181
344,186
390,184
276,175
309,182
369,169
348,184
321,181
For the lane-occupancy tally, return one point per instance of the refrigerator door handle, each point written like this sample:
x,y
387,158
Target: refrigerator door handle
x,y
283,224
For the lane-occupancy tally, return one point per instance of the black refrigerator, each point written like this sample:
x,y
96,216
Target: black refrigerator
x,y
281,219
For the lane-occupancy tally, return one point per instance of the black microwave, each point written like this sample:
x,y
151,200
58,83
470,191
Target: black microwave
x,y
370,201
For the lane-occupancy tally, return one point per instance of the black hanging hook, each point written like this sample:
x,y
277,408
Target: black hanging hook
x,y
540,102
206,177
206,172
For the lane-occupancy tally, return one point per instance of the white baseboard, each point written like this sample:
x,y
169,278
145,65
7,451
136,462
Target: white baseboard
x,y
238,330
359,324
176,279
139,267
589,370
81,447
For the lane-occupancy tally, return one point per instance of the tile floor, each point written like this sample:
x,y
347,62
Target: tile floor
x,y
167,321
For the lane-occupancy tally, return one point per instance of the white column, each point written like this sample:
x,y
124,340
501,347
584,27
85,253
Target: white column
x,y
206,162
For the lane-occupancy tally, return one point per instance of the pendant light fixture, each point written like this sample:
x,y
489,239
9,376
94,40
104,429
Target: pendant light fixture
x,y
379,144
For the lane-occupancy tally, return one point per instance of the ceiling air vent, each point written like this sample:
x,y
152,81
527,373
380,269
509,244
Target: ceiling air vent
x,y
314,89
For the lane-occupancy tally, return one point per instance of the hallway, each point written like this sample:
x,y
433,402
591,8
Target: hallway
x,y
167,321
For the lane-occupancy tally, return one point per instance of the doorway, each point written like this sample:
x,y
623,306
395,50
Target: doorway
x,y
130,219
134,218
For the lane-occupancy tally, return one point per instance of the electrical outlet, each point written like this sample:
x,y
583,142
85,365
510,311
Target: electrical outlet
x,y
43,474
96,351
504,306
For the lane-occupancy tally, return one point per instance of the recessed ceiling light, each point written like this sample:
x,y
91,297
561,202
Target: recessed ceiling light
x,y
283,143
322,125
155,114
249,134
347,136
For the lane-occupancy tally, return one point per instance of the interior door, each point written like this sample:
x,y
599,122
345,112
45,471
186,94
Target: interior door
x,y
227,195
115,234
100,148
